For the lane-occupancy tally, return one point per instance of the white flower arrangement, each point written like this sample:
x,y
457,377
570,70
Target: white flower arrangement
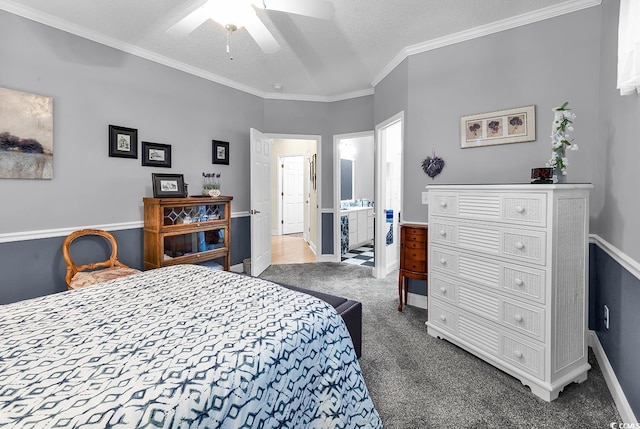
x,y
562,125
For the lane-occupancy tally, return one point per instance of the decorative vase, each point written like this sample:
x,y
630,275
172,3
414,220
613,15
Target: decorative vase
x,y
214,192
558,177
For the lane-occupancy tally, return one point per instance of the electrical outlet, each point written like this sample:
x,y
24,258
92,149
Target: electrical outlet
x,y
606,317
425,197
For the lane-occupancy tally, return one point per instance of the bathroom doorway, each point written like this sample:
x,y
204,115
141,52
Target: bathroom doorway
x,y
354,189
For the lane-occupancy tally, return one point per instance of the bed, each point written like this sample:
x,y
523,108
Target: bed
x,y
180,347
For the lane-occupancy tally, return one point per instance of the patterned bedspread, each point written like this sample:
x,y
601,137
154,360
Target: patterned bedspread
x,y
180,347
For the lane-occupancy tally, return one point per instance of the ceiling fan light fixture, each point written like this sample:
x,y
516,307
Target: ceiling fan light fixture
x,y
236,13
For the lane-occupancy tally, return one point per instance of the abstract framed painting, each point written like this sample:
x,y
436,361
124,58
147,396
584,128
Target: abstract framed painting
x,y
26,135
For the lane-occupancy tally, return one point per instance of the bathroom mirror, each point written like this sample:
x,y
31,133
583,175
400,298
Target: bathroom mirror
x,y
346,179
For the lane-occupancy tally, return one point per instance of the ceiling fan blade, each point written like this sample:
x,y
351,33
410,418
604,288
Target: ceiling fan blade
x,y
262,36
190,22
322,9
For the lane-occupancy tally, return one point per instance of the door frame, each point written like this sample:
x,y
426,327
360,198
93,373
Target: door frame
x,y
380,269
318,141
280,212
337,182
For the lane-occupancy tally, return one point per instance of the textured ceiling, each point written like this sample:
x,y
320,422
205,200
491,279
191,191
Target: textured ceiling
x,y
319,59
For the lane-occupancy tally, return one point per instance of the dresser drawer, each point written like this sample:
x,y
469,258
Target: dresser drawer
x,y
414,234
516,208
520,244
413,265
524,319
496,342
527,320
443,317
524,355
443,288
517,281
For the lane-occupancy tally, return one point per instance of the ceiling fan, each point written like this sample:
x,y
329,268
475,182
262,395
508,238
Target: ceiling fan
x,y
234,14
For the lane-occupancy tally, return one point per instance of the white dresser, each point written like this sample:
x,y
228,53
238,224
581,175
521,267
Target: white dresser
x,y
507,278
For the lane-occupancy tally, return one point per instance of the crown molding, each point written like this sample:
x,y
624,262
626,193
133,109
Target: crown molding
x,y
506,24
129,48
485,30
323,99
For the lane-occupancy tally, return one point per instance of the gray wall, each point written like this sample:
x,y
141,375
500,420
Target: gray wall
x,y
617,149
324,119
513,68
615,216
94,86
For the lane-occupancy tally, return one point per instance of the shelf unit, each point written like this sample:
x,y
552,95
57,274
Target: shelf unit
x,y
192,230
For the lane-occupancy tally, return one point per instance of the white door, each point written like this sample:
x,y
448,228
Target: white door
x,y
292,194
260,202
388,203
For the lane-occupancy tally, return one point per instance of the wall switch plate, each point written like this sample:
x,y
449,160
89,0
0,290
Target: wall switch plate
x,y
425,197
606,317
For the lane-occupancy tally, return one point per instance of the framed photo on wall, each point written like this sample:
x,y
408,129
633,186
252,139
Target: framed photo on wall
x,y
168,185
156,154
501,127
220,152
123,142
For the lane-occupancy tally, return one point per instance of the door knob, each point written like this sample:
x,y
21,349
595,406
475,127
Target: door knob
x,y
254,211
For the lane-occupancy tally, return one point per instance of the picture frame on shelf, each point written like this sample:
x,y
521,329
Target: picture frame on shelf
x,y
220,152
123,142
168,185
156,155
516,125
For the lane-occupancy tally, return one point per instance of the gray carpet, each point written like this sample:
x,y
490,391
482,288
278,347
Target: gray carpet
x,y
417,381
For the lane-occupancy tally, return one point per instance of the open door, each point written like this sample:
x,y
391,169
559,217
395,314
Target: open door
x,y
388,203
260,202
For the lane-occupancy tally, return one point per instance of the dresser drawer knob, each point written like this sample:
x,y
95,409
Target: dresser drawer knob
x,y
518,318
518,354
443,317
443,233
518,282
443,204
443,261
519,209
519,245
443,290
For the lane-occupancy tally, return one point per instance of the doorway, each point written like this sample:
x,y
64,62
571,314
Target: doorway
x,y
294,201
354,190
389,153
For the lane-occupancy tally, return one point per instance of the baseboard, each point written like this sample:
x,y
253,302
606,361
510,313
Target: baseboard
x,y
417,300
626,413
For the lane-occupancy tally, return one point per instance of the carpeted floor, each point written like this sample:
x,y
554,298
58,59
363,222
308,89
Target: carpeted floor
x,y
417,381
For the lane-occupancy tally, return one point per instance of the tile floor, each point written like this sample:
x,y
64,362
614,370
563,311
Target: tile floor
x,y
362,256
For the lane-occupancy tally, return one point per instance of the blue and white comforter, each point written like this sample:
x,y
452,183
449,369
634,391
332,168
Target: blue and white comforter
x,y
180,347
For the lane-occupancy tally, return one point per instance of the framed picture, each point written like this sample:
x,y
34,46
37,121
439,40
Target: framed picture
x,y
26,135
156,154
123,142
220,152
168,185
500,127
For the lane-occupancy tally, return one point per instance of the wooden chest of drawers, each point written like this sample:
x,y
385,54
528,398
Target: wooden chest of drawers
x,y
507,278
413,257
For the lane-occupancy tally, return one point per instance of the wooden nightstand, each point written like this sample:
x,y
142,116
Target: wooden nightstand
x,y
413,257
